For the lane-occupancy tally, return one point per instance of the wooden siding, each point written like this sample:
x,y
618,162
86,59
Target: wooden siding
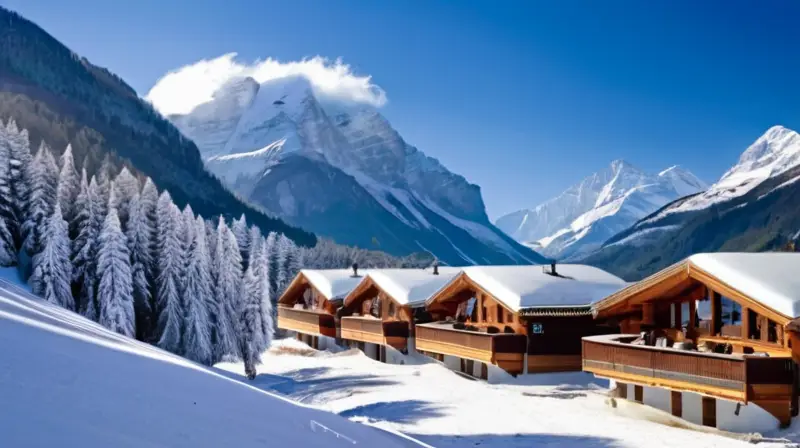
x,y
504,350
766,381
309,322
375,331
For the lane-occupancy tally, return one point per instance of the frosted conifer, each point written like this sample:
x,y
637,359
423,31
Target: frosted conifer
x,y
227,290
51,267
115,289
126,186
170,272
240,231
19,184
43,175
198,296
68,185
141,231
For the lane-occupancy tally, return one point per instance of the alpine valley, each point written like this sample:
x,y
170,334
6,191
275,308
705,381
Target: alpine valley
x,y
584,216
337,168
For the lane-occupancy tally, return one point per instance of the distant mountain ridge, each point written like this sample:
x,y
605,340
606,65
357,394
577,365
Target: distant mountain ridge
x,y
338,168
62,98
587,214
754,206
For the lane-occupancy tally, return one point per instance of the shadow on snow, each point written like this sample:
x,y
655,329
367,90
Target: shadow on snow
x,y
403,412
517,441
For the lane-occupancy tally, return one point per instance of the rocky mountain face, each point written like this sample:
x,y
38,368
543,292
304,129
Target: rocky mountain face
x,y
583,217
63,99
338,168
755,206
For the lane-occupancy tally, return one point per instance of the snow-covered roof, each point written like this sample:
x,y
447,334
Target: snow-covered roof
x,y
520,287
334,284
771,278
412,286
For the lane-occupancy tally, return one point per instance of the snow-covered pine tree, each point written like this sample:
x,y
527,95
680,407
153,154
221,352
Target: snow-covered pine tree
x,y
251,329
141,231
148,202
271,244
262,273
170,275
84,246
288,263
19,165
126,186
8,253
43,175
198,296
52,270
240,231
255,241
68,186
227,290
115,289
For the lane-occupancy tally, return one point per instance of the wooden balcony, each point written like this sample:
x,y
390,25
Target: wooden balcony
x,y
507,351
766,381
310,322
376,331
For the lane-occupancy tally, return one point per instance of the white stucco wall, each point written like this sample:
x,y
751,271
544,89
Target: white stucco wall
x,y
751,418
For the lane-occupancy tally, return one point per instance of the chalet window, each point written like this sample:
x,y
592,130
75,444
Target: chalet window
x,y
510,317
685,315
376,307
308,298
704,317
731,312
753,325
500,313
772,331
471,311
391,309
483,314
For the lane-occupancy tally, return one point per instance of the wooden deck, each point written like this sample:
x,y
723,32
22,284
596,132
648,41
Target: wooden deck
x,y
766,381
507,351
376,331
309,322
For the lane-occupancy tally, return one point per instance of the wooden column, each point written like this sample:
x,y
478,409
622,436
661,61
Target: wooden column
x,y
692,332
463,365
676,402
622,389
678,307
716,312
638,394
470,367
710,412
648,313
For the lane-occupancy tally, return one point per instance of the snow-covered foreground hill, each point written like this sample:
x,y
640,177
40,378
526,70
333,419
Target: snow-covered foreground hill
x,y
65,381
425,400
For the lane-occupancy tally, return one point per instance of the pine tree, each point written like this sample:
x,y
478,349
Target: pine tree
x,y
198,296
19,183
115,290
251,329
68,185
51,267
141,232
288,263
271,244
126,186
170,274
240,231
8,255
262,273
43,175
87,224
227,290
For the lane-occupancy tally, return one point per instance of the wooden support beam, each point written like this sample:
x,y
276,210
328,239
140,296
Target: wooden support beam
x,y
716,312
676,403
692,332
710,412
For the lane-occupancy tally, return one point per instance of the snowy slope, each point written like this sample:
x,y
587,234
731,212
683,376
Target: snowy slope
x,y
251,135
602,205
68,382
439,407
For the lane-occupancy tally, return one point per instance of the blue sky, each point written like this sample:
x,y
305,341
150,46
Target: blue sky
x,y
522,98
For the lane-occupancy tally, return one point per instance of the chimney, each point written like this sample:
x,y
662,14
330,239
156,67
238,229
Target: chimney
x,y
553,268
435,267
355,269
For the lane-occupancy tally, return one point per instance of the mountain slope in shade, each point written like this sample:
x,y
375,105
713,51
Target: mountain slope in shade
x,y
61,98
754,206
602,205
338,168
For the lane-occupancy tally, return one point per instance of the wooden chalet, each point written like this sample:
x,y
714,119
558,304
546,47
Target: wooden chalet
x,y
381,311
523,319
308,305
710,339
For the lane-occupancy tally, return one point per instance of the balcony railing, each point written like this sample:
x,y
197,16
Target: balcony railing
x,y
311,322
375,331
734,377
505,350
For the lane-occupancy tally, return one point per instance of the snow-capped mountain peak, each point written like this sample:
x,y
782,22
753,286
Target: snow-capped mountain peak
x,y
774,153
253,137
607,202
